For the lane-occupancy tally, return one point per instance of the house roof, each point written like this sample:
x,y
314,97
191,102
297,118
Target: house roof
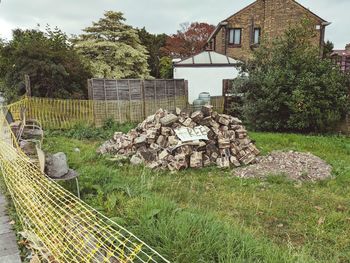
x,y
318,17
307,9
218,27
207,59
341,52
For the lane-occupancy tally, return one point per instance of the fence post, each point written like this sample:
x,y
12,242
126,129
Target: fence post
x,y
105,98
155,96
143,99
186,94
27,84
91,102
118,101
224,92
166,95
175,93
129,100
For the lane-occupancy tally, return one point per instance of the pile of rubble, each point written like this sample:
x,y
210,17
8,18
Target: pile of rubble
x,y
294,165
181,140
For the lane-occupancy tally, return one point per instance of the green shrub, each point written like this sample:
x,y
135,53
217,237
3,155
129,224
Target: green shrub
x,y
291,88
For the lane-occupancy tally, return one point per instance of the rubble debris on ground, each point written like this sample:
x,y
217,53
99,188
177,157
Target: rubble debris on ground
x,y
294,165
56,167
181,140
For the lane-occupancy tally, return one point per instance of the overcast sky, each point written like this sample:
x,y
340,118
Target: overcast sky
x,y
158,16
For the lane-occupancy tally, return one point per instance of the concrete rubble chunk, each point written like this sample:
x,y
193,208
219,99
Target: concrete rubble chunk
x,y
166,131
223,120
206,160
155,144
154,165
162,141
148,155
207,110
224,143
234,161
206,121
187,122
56,165
172,140
236,121
223,162
164,154
178,111
136,160
196,160
141,139
168,119
197,116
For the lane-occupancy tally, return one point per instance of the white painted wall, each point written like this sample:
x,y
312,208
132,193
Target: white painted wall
x,y
204,79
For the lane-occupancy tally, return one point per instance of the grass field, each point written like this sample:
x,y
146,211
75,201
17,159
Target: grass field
x,y
210,216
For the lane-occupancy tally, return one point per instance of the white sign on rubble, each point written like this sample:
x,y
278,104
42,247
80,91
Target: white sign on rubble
x,y
186,134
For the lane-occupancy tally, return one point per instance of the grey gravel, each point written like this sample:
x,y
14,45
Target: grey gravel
x,y
294,165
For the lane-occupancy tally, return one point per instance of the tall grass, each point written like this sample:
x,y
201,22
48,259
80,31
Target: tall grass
x,y
209,215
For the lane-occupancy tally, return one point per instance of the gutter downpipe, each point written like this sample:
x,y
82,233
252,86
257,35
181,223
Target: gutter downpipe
x,y
322,36
224,25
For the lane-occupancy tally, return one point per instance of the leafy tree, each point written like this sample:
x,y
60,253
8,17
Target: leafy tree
x,y
328,49
166,68
188,41
54,68
153,44
113,48
290,88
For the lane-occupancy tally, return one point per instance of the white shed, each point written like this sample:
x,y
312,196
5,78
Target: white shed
x,y
205,72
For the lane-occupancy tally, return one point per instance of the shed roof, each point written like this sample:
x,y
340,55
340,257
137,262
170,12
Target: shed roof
x,y
207,59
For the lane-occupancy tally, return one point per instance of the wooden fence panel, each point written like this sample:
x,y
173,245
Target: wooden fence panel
x,y
134,99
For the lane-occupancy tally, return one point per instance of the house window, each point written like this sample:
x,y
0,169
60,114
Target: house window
x,y
235,36
257,35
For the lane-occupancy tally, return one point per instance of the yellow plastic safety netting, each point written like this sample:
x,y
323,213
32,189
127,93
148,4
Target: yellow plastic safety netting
x,y
58,222
62,114
54,113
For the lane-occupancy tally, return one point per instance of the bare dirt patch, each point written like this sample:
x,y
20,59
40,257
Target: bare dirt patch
x,y
294,165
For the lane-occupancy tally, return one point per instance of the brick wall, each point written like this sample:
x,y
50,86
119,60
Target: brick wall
x,y
272,16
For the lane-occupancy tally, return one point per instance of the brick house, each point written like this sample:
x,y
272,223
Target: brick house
x,y
240,33
342,58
